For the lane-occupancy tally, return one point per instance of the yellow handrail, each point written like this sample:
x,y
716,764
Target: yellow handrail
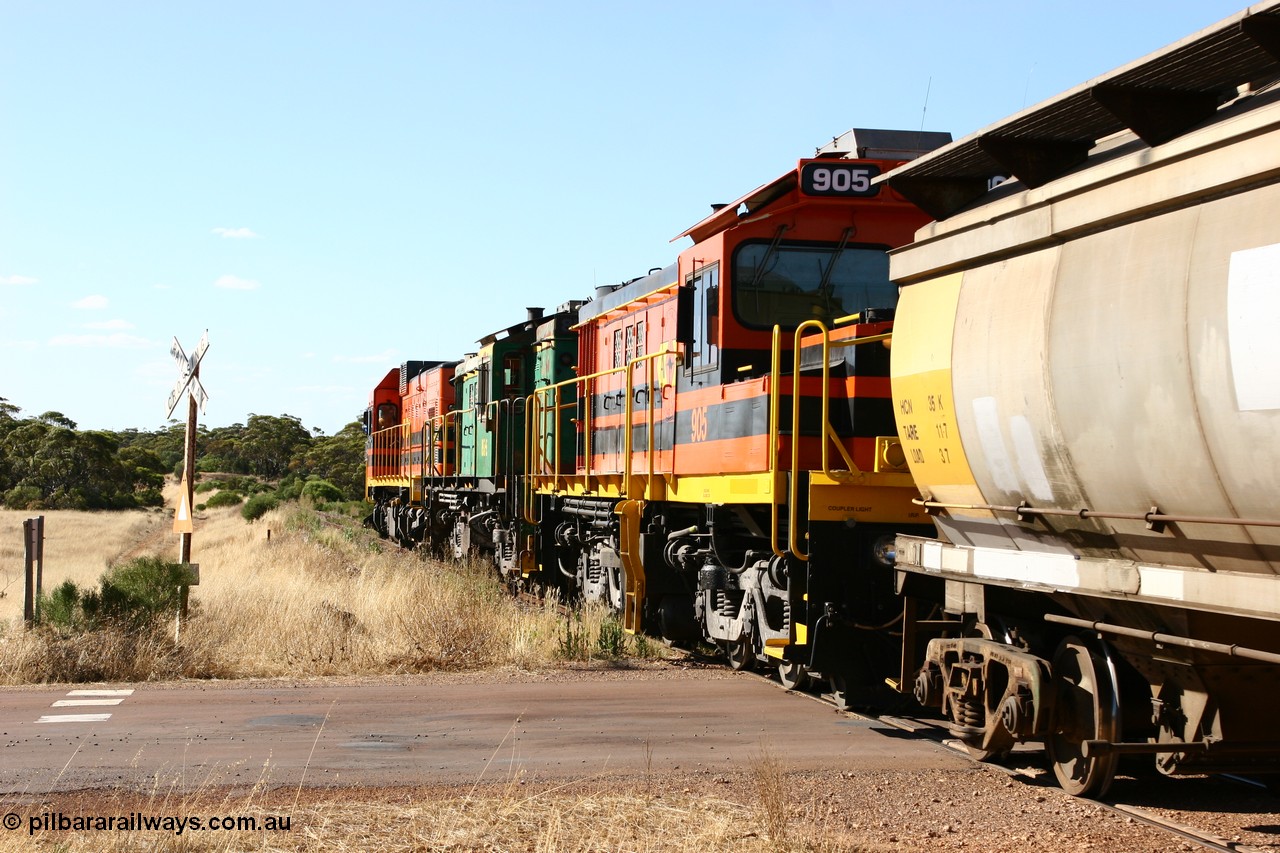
x,y
585,395
775,404
440,423
794,487
827,433
532,449
386,448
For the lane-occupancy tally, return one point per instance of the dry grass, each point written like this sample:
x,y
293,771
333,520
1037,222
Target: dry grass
x,y
770,778
321,600
588,815
78,546
296,594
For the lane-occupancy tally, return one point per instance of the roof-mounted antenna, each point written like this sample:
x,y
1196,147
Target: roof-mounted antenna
x,y
927,89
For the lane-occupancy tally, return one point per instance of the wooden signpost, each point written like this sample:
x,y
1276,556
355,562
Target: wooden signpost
x,y
188,381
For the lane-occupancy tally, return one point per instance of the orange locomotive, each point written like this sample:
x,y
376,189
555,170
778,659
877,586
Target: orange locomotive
x,y
738,477
722,462
400,455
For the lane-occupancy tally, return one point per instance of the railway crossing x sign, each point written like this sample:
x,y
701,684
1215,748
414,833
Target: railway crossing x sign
x,y
190,376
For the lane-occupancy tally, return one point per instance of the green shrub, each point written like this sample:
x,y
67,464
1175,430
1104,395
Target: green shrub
x,y
258,506
290,489
133,594
321,491
141,589
24,497
224,499
573,643
61,607
149,497
612,641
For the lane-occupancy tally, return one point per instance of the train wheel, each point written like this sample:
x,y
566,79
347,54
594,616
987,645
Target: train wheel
x,y
793,675
616,588
1087,708
988,756
839,686
739,654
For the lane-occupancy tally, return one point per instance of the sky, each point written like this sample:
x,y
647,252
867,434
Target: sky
x,y
330,189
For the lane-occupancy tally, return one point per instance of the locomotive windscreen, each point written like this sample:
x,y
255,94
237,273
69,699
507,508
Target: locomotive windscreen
x,y
788,283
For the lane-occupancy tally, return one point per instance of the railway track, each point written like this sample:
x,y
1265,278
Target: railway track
x,y
935,731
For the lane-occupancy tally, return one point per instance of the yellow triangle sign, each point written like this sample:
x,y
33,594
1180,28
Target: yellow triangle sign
x,y
182,518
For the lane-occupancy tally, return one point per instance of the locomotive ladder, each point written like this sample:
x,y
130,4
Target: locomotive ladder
x,y
827,431
542,461
629,520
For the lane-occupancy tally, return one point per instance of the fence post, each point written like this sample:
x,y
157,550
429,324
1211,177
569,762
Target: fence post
x,y
39,542
33,567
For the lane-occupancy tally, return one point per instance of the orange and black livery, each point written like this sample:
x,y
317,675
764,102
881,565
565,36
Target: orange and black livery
x,y
709,448
738,476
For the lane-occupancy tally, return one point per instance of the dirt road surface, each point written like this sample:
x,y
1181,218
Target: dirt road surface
x,y
685,734
430,730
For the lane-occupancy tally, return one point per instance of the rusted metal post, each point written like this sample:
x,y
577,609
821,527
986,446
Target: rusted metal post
x,y
37,534
189,483
33,572
189,381
28,578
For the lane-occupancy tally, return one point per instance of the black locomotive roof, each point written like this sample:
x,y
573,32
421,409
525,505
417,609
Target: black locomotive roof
x,y
860,143
1158,98
623,293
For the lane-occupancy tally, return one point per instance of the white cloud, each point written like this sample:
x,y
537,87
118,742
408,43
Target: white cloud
x,y
236,233
91,303
386,357
17,279
117,341
110,324
235,282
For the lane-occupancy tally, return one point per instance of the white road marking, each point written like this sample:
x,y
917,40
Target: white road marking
x,y
74,718
99,697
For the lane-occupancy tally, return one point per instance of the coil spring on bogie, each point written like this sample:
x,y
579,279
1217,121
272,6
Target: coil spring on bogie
x,y
728,603
969,712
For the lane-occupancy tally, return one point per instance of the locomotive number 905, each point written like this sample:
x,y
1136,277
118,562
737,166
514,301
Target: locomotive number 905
x,y
831,179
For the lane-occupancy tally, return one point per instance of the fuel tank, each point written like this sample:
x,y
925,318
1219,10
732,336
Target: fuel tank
x,y
1108,343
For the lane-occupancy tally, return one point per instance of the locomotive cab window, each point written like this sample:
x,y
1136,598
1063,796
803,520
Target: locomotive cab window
x,y
388,415
512,375
705,349
789,283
